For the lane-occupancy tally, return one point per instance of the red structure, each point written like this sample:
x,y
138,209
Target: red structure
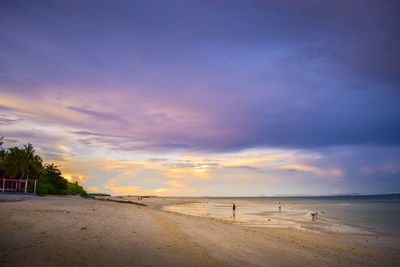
x,y
17,185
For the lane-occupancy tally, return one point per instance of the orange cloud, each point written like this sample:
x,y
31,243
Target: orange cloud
x,y
75,178
175,174
188,173
94,189
137,190
174,183
39,109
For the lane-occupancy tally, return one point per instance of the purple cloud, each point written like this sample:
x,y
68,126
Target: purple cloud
x,y
205,77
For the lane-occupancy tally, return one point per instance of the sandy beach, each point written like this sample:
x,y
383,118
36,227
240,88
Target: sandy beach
x,y
73,231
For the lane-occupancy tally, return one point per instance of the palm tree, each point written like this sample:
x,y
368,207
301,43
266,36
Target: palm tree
x,y
21,162
30,161
11,162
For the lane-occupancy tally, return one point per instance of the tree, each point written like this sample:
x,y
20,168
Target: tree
x,y
31,163
75,189
21,163
52,175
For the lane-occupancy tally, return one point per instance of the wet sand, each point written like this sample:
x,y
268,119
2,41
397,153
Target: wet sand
x,y
68,231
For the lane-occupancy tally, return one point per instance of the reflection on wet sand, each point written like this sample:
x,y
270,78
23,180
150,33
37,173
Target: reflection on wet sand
x,y
267,215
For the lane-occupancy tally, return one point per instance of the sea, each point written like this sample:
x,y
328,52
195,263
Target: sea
x,y
369,215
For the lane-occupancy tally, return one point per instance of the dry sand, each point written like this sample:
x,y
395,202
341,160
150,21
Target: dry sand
x,y
65,231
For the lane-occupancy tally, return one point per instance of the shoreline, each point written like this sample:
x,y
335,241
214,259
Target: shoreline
x,y
66,230
320,225
297,235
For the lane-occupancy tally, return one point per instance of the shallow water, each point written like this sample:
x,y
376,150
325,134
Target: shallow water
x,y
378,214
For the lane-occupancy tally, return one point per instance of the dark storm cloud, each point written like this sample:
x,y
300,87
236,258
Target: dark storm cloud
x,y
300,74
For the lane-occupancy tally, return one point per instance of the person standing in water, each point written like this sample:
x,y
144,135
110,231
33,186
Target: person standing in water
x,y
233,209
279,206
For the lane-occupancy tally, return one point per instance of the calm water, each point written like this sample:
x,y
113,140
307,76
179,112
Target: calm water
x,y
379,214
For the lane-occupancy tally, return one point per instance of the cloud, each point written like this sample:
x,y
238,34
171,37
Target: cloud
x,y
135,190
199,92
289,109
97,115
6,121
381,168
337,173
64,148
156,159
174,183
74,177
94,189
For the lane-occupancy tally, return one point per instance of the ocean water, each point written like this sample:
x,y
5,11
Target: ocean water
x,y
378,214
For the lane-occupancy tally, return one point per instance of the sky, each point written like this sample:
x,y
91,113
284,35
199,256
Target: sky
x,y
206,98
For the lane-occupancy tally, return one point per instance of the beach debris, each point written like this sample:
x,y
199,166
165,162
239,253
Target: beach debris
x,y
83,228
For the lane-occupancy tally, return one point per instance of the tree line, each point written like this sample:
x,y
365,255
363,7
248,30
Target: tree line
x,y
23,163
